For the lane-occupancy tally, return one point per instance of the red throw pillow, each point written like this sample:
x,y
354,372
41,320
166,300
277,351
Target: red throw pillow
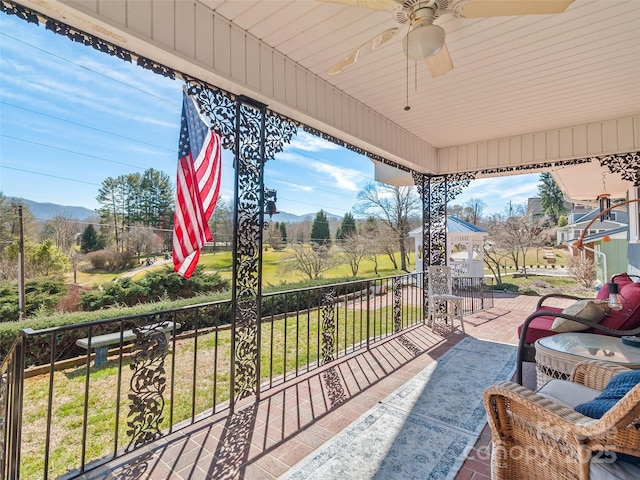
x,y
629,317
621,279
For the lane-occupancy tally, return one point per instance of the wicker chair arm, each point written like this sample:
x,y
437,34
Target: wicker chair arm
x,y
530,432
595,374
534,409
615,430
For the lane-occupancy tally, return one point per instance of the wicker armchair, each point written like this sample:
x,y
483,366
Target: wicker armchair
x,y
535,437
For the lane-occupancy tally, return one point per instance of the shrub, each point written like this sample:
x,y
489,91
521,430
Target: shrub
x,y
154,286
111,261
583,270
41,295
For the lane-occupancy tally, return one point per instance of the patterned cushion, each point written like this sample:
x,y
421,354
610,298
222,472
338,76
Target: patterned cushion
x,y
617,388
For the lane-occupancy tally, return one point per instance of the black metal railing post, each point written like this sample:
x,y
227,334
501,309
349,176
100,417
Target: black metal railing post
x,y
11,398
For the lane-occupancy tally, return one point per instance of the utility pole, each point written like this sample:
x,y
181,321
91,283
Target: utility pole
x,y
21,297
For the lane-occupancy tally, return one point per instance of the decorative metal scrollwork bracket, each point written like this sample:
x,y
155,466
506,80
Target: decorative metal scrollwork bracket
x,y
147,385
328,324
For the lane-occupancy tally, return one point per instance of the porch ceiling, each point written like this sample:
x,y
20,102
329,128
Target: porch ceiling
x,y
513,76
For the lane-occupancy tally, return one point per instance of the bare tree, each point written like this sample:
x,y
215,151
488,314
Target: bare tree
x,y
511,237
143,240
370,232
355,247
273,236
300,232
519,235
492,258
62,230
388,243
473,209
221,224
311,262
393,206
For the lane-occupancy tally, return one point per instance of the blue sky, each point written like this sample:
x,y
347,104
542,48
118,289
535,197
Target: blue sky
x,y
70,117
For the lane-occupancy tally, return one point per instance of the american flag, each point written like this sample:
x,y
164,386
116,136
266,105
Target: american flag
x,y
197,187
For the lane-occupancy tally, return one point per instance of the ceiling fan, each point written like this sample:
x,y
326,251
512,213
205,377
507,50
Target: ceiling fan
x,y
426,41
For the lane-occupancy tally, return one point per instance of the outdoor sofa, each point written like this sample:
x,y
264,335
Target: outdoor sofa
x,y
616,323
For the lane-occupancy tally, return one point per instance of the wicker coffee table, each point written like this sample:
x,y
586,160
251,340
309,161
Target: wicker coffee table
x,y
557,355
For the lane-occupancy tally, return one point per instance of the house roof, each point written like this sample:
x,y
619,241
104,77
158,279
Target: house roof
x,y
455,225
587,217
599,236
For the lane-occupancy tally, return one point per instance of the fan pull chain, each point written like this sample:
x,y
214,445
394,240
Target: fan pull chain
x,y
415,75
407,107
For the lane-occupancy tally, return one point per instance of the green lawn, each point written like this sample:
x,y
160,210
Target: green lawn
x,y
272,269
287,345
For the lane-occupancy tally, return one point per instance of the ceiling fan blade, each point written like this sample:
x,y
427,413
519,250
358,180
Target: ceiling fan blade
x,y
440,63
364,49
371,4
498,8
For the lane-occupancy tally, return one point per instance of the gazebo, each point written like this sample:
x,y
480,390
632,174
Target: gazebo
x,y
468,261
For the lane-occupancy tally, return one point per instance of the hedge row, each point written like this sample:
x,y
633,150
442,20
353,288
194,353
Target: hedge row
x,y
209,314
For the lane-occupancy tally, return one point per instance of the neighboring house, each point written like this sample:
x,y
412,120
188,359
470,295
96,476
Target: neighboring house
x,y
468,261
606,242
580,217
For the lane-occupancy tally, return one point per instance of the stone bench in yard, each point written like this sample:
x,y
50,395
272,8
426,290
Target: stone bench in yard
x,y
101,343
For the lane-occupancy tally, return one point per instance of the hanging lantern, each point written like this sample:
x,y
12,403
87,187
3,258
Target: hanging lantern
x,y
270,199
604,200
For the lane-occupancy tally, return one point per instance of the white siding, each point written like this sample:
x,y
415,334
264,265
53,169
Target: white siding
x,y
614,136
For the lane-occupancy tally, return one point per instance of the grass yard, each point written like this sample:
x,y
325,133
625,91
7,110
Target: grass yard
x,y
288,345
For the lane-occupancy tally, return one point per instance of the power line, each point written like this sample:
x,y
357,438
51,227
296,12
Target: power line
x,y
297,152
356,173
86,126
48,175
70,151
85,67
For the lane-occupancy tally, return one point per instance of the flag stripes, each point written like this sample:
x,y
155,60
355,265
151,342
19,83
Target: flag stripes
x,y
197,188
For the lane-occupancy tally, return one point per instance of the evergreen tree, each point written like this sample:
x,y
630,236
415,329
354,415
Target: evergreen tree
x,y
551,198
347,227
320,229
89,239
283,232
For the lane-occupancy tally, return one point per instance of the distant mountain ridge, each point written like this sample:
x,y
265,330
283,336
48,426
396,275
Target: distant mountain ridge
x,y
47,211
293,218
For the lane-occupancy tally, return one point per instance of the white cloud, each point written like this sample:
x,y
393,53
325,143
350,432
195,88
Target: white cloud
x,y
311,143
343,178
499,191
296,186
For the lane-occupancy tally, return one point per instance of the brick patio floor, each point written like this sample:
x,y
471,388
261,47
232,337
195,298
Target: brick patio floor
x,y
263,440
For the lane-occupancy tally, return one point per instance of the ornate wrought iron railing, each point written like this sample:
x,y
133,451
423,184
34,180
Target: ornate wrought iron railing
x,y
476,293
64,415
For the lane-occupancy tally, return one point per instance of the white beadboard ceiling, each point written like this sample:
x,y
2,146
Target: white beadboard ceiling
x,y
511,76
